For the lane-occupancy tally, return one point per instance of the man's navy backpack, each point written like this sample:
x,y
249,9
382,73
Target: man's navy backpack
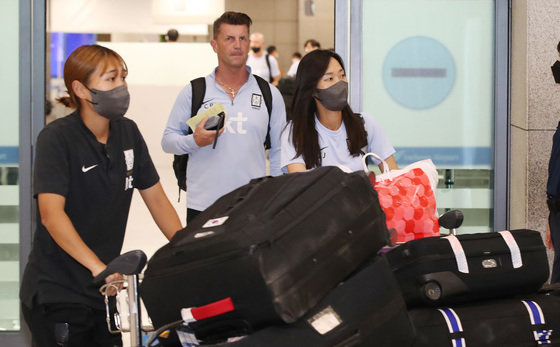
x,y
198,91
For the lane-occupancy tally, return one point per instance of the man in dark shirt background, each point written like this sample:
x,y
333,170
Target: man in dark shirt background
x,y
552,238
553,201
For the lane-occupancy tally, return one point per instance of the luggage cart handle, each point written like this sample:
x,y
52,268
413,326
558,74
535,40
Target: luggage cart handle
x,y
129,263
451,220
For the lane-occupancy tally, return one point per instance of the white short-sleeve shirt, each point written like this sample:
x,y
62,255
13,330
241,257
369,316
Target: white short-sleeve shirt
x,y
259,67
334,148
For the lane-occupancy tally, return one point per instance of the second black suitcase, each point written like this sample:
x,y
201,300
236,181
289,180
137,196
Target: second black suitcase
x,y
275,247
450,269
366,310
519,322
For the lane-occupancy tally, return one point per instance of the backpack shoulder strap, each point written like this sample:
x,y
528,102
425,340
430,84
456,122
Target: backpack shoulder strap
x,y
198,91
267,95
180,161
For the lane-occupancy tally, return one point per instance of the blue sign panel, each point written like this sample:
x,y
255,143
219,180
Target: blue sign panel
x,y
9,155
419,72
62,44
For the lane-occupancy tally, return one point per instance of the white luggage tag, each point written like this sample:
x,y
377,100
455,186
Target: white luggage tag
x,y
215,222
325,321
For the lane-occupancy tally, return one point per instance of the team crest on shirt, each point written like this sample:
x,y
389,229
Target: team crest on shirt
x,y
324,155
256,100
129,161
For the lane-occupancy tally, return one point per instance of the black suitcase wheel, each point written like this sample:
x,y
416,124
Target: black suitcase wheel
x,y
432,290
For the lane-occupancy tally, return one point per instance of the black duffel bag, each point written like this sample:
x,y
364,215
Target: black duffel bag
x,y
513,322
438,271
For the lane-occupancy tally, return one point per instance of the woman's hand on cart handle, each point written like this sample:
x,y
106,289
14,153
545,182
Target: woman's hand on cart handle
x,y
129,263
118,282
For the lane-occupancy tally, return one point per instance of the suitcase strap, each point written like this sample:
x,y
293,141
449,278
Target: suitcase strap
x,y
542,337
217,308
513,248
459,253
454,325
192,314
461,258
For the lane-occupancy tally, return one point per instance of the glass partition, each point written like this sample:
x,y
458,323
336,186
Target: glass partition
x,y
428,77
9,168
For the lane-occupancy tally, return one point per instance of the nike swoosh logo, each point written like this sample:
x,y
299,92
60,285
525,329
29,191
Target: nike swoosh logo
x,y
86,169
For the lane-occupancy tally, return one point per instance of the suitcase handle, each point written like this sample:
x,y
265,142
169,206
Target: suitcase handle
x,y
242,193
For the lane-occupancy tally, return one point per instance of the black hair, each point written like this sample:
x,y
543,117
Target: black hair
x,y
296,54
304,135
233,18
172,34
313,43
270,49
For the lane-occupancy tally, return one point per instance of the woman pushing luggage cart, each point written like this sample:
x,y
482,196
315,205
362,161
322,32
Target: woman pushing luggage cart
x,y
87,165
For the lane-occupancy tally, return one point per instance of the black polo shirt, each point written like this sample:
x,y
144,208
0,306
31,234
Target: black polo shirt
x,y
553,184
97,181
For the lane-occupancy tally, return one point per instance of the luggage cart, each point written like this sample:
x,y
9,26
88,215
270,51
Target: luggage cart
x,y
131,265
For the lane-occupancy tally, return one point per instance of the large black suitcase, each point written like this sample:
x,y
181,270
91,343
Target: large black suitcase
x,y
450,269
512,322
366,310
275,246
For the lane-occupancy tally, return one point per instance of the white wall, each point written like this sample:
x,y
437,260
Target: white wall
x,y
165,64
132,16
320,26
157,73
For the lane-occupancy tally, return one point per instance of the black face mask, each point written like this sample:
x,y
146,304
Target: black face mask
x,y
335,97
111,104
256,49
556,71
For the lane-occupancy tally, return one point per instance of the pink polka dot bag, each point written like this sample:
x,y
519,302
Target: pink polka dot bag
x,y
407,196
